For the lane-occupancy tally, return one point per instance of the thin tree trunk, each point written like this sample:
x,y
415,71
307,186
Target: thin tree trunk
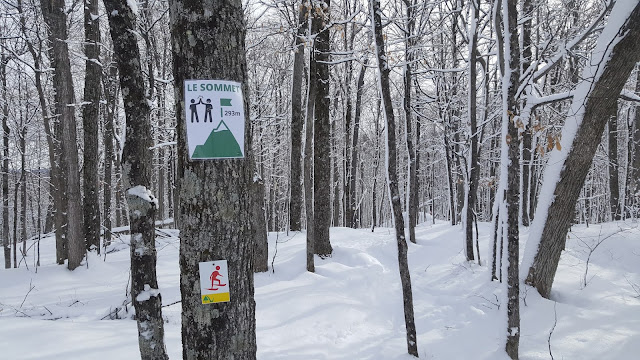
x,y
634,186
111,91
474,166
90,119
614,186
297,124
527,56
353,177
510,127
308,166
5,165
216,206
412,179
136,164
392,179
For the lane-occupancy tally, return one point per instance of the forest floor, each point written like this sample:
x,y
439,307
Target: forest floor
x,y
351,307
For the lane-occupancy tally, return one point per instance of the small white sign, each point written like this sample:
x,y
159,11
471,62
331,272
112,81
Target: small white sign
x,y
214,281
214,113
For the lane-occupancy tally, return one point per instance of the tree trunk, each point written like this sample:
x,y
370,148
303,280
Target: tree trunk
x,y
353,176
111,91
136,164
6,241
321,132
297,124
392,178
511,126
634,186
473,170
527,56
412,178
261,252
55,17
594,104
216,208
308,166
614,186
90,119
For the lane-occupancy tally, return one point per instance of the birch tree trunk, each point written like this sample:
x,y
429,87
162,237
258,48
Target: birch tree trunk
x,y
136,164
594,103
216,208
392,178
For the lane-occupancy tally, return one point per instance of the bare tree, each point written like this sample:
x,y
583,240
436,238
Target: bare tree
x,y
392,177
136,164
613,59
90,119
55,16
321,130
216,204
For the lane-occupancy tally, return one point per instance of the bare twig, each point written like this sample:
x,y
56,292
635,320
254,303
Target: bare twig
x,y
31,287
555,322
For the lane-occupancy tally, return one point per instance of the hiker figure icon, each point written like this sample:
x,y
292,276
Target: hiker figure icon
x,y
214,279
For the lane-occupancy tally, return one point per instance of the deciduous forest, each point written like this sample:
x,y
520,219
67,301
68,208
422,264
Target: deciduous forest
x,y
508,123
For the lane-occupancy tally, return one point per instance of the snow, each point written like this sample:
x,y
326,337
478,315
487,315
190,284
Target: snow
x,y
607,40
351,307
143,193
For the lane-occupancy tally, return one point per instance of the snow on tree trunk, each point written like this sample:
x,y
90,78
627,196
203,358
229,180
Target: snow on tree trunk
x,y
594,102
392,177
216,208
136,164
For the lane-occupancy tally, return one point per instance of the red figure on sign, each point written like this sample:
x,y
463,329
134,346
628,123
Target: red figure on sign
x,y
214,278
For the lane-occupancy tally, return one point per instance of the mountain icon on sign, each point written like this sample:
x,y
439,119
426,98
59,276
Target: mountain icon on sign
x,y
220,144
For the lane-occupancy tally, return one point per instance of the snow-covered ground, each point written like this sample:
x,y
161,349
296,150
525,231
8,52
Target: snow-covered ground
x,y
351,308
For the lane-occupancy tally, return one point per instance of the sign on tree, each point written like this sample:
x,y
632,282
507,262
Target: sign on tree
x,y
214,114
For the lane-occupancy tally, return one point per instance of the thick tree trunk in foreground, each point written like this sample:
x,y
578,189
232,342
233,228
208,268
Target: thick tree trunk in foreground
x,y
216,208
321,132
136,164
593,108
392,170
90,119
55,17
